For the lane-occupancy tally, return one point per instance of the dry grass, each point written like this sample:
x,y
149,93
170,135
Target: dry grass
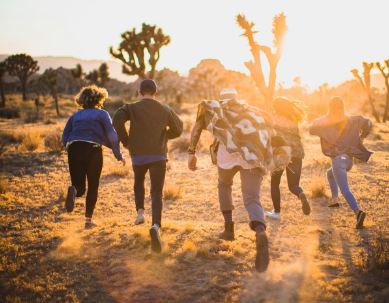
x,y
318,187
171,192
53,141
119,171
44,250
31,141
3,186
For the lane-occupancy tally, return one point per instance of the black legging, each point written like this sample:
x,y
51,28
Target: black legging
x,y
157,180
293,173
85,162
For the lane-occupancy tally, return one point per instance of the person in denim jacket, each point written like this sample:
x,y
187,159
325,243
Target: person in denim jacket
x,y
341,139
84,134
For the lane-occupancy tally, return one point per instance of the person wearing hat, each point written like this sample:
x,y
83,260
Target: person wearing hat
x,y
152,124
240,127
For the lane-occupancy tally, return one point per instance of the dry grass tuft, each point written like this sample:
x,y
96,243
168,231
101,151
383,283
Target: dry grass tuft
x,y
318,187
119,171
3,186
53,142
377,254
31,141
180,144
171,192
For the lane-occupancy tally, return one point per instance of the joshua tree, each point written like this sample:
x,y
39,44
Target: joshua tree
x,y
78,72
103,74
273,56
384,69
99,76
22,66
3,70
93,77
132,50
50,82
365,82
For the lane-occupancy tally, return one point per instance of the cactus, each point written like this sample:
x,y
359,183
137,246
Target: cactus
x,y
22,66
255,67
384,69
365,83
132,50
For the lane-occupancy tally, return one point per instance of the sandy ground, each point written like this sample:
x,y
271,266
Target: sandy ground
x,y
47,256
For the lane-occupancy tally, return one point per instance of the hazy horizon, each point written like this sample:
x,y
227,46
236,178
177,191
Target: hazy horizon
x,y
326,39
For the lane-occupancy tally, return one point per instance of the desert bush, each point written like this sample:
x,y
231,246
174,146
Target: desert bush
x,y
31,117
181,144
376,256
9,113
119,171
318,187
7,139
53,142
3,186
171,192
31,141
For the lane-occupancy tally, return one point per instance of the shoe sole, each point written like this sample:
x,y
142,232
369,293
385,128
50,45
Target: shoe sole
x,y
156,244
70,197
139,222
305,205
262,258
87,226
360,220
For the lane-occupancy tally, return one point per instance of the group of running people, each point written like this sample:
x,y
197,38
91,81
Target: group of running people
x,y
246,140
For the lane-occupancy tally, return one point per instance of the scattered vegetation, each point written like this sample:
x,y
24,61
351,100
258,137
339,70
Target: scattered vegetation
x,y
376,256
3,186
53,141
171,192
119,171
318,187
10,112
30,141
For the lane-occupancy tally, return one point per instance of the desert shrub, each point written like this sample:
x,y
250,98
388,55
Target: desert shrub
x,y
7,139
119,171
318,187
31,117
181,144
9,113
3,186
53,142
376,256
31,141
171,192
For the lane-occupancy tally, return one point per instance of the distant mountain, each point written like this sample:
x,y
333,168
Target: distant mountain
x,y
45,62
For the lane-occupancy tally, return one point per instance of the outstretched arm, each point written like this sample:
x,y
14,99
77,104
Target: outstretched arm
x,y
67,130
111,135
175,125
119,119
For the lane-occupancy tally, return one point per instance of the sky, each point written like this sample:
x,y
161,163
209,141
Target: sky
x,y
325,40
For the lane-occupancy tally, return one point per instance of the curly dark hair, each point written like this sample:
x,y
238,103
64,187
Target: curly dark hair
x,y
91,96
288,108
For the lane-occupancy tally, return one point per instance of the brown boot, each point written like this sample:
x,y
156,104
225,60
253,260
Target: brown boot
x,y
228,234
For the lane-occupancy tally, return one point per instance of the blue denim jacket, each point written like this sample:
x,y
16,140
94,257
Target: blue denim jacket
x,y
92,125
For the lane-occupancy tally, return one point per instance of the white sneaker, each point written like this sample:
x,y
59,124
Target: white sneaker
x,y
273,215
140,219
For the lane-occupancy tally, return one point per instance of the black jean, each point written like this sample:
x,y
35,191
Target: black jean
x,y
293,174
85,163
157,179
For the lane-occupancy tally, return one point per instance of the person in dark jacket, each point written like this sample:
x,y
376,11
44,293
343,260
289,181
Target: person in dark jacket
x,y
286,119
152,124
84,134
341,139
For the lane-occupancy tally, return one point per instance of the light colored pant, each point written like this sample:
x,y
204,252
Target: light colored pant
x,y
337,177
251,180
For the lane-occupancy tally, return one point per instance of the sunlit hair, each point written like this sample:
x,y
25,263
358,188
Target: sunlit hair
x,y
91,96
288,109
336,108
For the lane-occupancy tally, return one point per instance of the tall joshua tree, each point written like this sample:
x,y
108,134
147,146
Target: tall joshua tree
x,y
384,69
103,74
134,46
22,66
3,70
272,55
365,82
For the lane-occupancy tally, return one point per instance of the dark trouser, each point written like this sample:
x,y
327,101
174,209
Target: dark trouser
x,y
293,174
85,162
157,179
